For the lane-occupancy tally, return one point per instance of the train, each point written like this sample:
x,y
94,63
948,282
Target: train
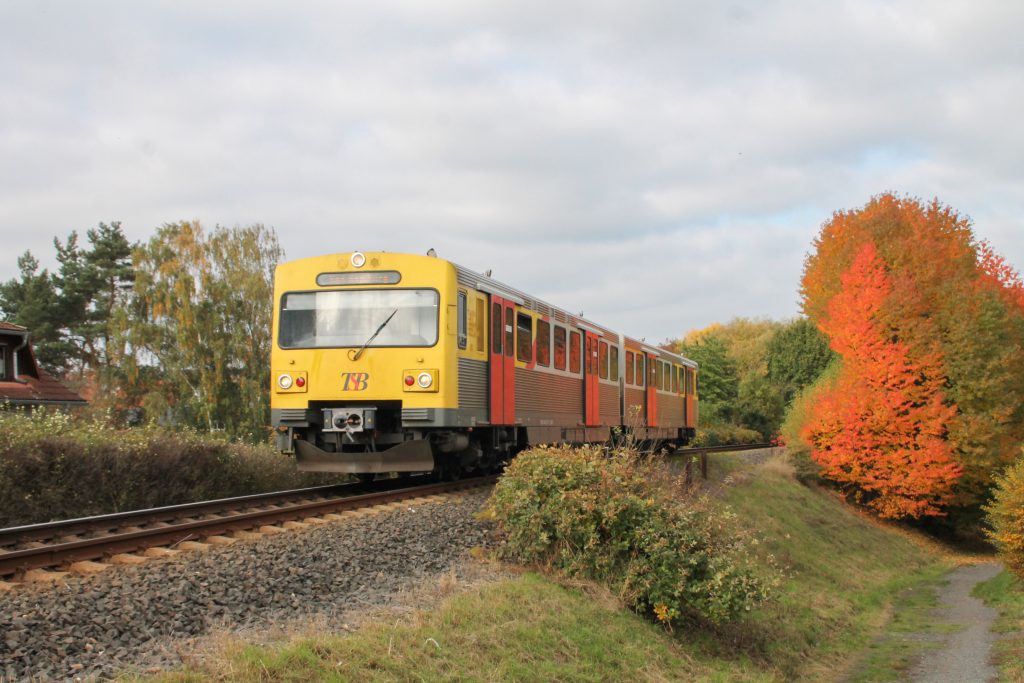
x,y
401,363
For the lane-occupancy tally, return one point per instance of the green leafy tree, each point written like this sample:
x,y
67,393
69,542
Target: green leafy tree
x,y
756,403
718,381
797,355
198,326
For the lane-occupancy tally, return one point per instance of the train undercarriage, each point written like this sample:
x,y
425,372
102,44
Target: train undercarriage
x,y
368,440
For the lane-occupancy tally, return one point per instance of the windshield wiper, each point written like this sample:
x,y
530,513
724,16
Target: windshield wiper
x,y
374,335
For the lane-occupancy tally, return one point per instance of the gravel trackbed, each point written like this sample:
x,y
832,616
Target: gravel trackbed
x,y
92,627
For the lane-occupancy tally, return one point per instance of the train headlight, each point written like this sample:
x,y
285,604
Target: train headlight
x,y
418,379
291,382
358,259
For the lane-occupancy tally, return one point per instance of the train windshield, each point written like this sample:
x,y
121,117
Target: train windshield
x,y
349,318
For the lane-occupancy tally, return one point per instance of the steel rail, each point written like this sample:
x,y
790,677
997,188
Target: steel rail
x,y
63,553
106,522
697,450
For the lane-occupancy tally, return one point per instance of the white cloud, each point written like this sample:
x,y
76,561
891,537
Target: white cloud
x,y
661,165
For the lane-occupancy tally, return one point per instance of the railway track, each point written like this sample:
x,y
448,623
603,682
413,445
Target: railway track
x,y
700,455
724,449
26,552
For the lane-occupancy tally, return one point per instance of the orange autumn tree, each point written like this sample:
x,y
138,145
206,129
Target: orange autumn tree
x,y
997,274
955,308
880,431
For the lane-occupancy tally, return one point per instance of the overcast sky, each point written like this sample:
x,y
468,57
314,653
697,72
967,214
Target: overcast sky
x,y
658,165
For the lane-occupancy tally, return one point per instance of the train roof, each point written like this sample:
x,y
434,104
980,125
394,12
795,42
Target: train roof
x,y
485,283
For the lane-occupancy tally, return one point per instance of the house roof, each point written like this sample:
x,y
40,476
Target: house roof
x,y
33,385
45,389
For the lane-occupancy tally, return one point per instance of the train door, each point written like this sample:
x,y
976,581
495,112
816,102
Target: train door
x,y
503,378
652,391
591,387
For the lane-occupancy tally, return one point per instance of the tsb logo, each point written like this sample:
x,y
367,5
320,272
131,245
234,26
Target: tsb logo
x,y
354,381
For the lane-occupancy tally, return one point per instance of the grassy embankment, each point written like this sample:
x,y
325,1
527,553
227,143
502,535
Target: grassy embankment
x,y
1006,594
849,579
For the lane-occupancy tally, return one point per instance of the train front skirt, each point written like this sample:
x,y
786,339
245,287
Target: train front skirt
x,y
409,456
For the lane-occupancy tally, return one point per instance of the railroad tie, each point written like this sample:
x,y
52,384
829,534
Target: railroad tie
x,y
220,540
315,520
43,576
193,546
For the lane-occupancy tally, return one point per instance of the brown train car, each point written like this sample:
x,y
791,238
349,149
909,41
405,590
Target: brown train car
x,y
559,378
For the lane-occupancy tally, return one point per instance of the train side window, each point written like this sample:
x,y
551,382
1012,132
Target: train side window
x,y
543,343
613,372
574,352
481,328
524,337
602,360
661,375
652,373
463,323
496,331
509,331
629,367
559,348
640,369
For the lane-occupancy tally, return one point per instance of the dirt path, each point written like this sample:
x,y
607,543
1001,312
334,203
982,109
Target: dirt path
x,y
965,655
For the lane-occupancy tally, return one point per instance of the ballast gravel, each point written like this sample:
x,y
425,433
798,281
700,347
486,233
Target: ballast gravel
x,y
93,627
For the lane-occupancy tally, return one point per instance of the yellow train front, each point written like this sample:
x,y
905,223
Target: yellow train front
x,y
400,363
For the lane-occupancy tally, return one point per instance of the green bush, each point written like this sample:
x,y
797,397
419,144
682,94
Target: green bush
x,y
56,466
627,522
1006,517
725,434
